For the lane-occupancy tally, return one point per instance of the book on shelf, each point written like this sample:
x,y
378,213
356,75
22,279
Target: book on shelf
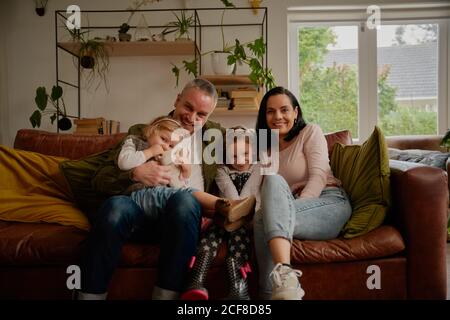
x,y
244,93
247,103
88,126
223,102
96,126
89,121
110,127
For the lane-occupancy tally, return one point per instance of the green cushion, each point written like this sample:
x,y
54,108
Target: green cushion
x,y
364,172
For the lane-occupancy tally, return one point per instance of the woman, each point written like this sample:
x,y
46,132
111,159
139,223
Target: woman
x,y
303,201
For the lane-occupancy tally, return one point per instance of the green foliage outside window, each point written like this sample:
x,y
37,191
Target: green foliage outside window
x,y
329,95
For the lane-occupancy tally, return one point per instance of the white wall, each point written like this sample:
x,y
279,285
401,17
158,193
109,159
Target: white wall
x,y
140,87
4,117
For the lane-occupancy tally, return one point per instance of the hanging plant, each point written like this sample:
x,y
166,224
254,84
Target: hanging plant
x,y
94,56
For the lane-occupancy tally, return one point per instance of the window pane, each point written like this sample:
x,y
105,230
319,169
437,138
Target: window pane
x,y
328,74
407,78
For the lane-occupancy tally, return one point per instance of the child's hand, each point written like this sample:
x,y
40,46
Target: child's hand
x,y
185,170
153,151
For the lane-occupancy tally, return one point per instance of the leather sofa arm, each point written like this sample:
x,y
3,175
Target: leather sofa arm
x,y
419,207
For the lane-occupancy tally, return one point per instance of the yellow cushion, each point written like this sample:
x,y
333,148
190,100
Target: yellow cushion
x,y
364,172
33,189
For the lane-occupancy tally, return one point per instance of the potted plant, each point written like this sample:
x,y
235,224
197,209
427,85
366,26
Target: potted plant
x,y
123,35
93,55
181,26
124,27
40,7
250,53
445,142
42,98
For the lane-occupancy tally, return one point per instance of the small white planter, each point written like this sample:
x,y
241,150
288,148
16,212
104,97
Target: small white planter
x,y
219,63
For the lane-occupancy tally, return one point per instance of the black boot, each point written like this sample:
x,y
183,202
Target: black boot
x,y
237,264
209,245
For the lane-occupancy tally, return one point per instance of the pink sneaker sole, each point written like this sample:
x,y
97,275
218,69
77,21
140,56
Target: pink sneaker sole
x,y
194,294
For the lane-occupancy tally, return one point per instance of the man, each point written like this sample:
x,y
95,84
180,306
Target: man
x,y
120,219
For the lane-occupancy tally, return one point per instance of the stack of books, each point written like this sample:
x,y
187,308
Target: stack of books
x,y
110,127
94,126
223,102
245,99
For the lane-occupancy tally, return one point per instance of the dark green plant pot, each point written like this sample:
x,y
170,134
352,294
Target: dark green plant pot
x,y
124,36
40,11
87,62
64,124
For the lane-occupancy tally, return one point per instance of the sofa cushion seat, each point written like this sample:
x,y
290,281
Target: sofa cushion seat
x,y
39,244
45,244
382,242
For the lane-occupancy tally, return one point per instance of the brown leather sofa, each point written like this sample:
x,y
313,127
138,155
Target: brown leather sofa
x,y
409,248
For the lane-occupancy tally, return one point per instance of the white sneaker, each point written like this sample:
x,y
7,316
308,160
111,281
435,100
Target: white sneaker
x,y
285,284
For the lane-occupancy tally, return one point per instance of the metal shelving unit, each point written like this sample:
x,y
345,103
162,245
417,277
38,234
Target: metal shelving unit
x,y
147,48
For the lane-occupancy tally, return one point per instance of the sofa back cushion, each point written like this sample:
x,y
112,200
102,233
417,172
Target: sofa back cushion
x,y
343,137
364,173
70,146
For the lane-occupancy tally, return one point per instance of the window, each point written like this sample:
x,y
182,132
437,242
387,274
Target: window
x,y
407,56
328,76
348,76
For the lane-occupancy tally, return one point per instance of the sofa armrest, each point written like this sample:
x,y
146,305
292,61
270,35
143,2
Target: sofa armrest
x,y
419,205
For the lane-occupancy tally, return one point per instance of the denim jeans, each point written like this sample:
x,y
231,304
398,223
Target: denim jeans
x,y
154,200
120,219
282,215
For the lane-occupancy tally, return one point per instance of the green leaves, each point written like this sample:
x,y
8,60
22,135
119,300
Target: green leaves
x,y
258,47
445,142
42,98
35,119
57,92
191,67
176,72
227,4
53,118
258,74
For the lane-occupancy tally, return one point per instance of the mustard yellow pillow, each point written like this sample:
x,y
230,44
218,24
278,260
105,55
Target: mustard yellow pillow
x,y
364,172
33,189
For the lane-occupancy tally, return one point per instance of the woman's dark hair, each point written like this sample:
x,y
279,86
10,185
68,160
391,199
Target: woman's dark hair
x,y
261,122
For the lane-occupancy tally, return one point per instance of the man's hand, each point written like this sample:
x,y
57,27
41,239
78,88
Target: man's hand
x,y
151,174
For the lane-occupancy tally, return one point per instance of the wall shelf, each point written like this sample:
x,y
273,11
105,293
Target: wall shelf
x,y
235,112
228,79
139,48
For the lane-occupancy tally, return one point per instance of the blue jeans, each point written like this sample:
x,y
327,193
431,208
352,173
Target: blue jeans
x,y
282,215
120,219
154,200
